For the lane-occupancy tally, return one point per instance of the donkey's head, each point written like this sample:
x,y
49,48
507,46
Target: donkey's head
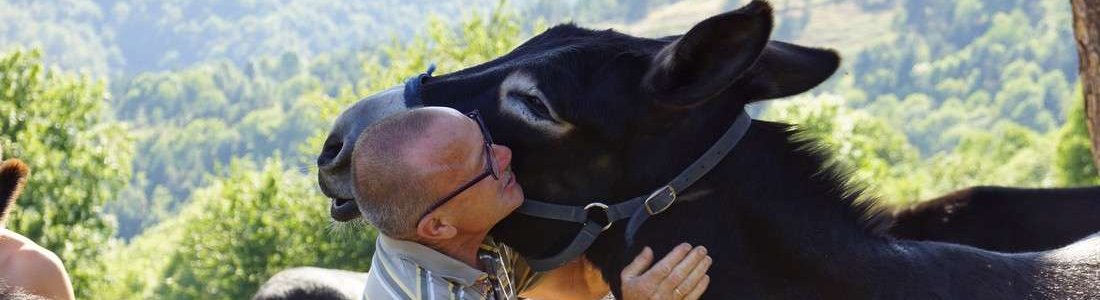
x,y
599,115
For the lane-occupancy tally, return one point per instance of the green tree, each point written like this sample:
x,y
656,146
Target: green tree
x,y
193,122
1074,155
244,228
1008,154
878,155
56,122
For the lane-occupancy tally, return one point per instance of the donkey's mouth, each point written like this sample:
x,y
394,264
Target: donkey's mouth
x,y
343,210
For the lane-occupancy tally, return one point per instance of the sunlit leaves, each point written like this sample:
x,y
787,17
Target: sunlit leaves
x,y
79,159
244,228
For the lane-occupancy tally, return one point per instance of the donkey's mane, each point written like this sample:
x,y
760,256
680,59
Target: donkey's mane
x,y
863,206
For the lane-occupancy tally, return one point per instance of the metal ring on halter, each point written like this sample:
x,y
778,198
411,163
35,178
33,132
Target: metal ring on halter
x,y
606,213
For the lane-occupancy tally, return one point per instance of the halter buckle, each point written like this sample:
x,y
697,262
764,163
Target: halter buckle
x,y
665,192
606,213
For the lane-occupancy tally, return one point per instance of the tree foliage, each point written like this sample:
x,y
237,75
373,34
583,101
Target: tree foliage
x,y
1074,164
245,228
195,121
79,158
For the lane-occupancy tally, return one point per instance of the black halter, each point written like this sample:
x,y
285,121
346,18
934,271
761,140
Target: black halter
x,y
637,209
412,87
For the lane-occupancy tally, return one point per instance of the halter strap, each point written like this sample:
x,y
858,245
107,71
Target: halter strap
x,y
412,86
642,206
665,196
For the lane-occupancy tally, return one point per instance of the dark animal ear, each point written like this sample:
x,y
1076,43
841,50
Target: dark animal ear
x,y
13,174
787,69
709,57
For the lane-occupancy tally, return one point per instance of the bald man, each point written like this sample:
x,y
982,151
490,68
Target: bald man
x,y
433,183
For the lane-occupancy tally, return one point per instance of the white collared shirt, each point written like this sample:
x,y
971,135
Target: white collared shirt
x,y
408,270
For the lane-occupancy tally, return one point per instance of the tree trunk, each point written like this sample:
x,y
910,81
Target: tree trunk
x,y
1086,29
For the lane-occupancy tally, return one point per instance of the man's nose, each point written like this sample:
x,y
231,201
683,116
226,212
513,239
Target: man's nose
x,y
503,156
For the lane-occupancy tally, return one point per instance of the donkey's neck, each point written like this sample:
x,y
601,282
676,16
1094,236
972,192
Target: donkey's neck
x,y
804,210
775,180
788,225
774,202
799,204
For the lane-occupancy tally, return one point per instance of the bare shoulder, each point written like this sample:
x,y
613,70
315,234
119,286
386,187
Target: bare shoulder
x,y
19,251
33,268
36,258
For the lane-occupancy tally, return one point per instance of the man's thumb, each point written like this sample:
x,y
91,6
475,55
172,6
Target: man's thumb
x,y
639,265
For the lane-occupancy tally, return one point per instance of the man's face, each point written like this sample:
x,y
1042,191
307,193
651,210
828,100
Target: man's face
x,y
451,154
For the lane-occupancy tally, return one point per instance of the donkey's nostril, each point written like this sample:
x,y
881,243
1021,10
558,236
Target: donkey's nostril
x,y
329,152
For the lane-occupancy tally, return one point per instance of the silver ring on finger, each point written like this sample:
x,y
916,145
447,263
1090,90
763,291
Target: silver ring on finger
x,y
678,293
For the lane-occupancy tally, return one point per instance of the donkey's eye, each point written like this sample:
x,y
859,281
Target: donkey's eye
x,y
533,102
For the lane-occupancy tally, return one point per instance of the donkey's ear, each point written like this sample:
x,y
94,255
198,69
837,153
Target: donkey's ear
x,y
787,69
709,57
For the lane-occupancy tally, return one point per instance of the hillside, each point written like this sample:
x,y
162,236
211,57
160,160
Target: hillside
x,y
126,37
842,25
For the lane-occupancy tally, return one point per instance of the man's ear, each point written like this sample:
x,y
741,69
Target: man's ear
x,y
709,57
787,69
434,227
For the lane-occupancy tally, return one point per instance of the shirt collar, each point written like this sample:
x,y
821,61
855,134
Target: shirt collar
x,y
433,260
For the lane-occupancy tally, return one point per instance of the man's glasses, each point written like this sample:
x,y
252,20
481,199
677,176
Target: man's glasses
x,y
490,165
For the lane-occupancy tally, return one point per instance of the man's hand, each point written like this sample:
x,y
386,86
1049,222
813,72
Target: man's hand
x,y
680,275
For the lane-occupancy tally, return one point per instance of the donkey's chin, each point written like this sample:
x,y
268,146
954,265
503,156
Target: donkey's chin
x,y
343,210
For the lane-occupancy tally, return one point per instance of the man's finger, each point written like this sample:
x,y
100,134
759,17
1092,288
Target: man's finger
x,y
696,275
701,287
680,272
664,267
640,263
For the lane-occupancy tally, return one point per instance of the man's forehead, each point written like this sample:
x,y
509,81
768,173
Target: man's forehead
x,y
442,111
447,127
445,145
